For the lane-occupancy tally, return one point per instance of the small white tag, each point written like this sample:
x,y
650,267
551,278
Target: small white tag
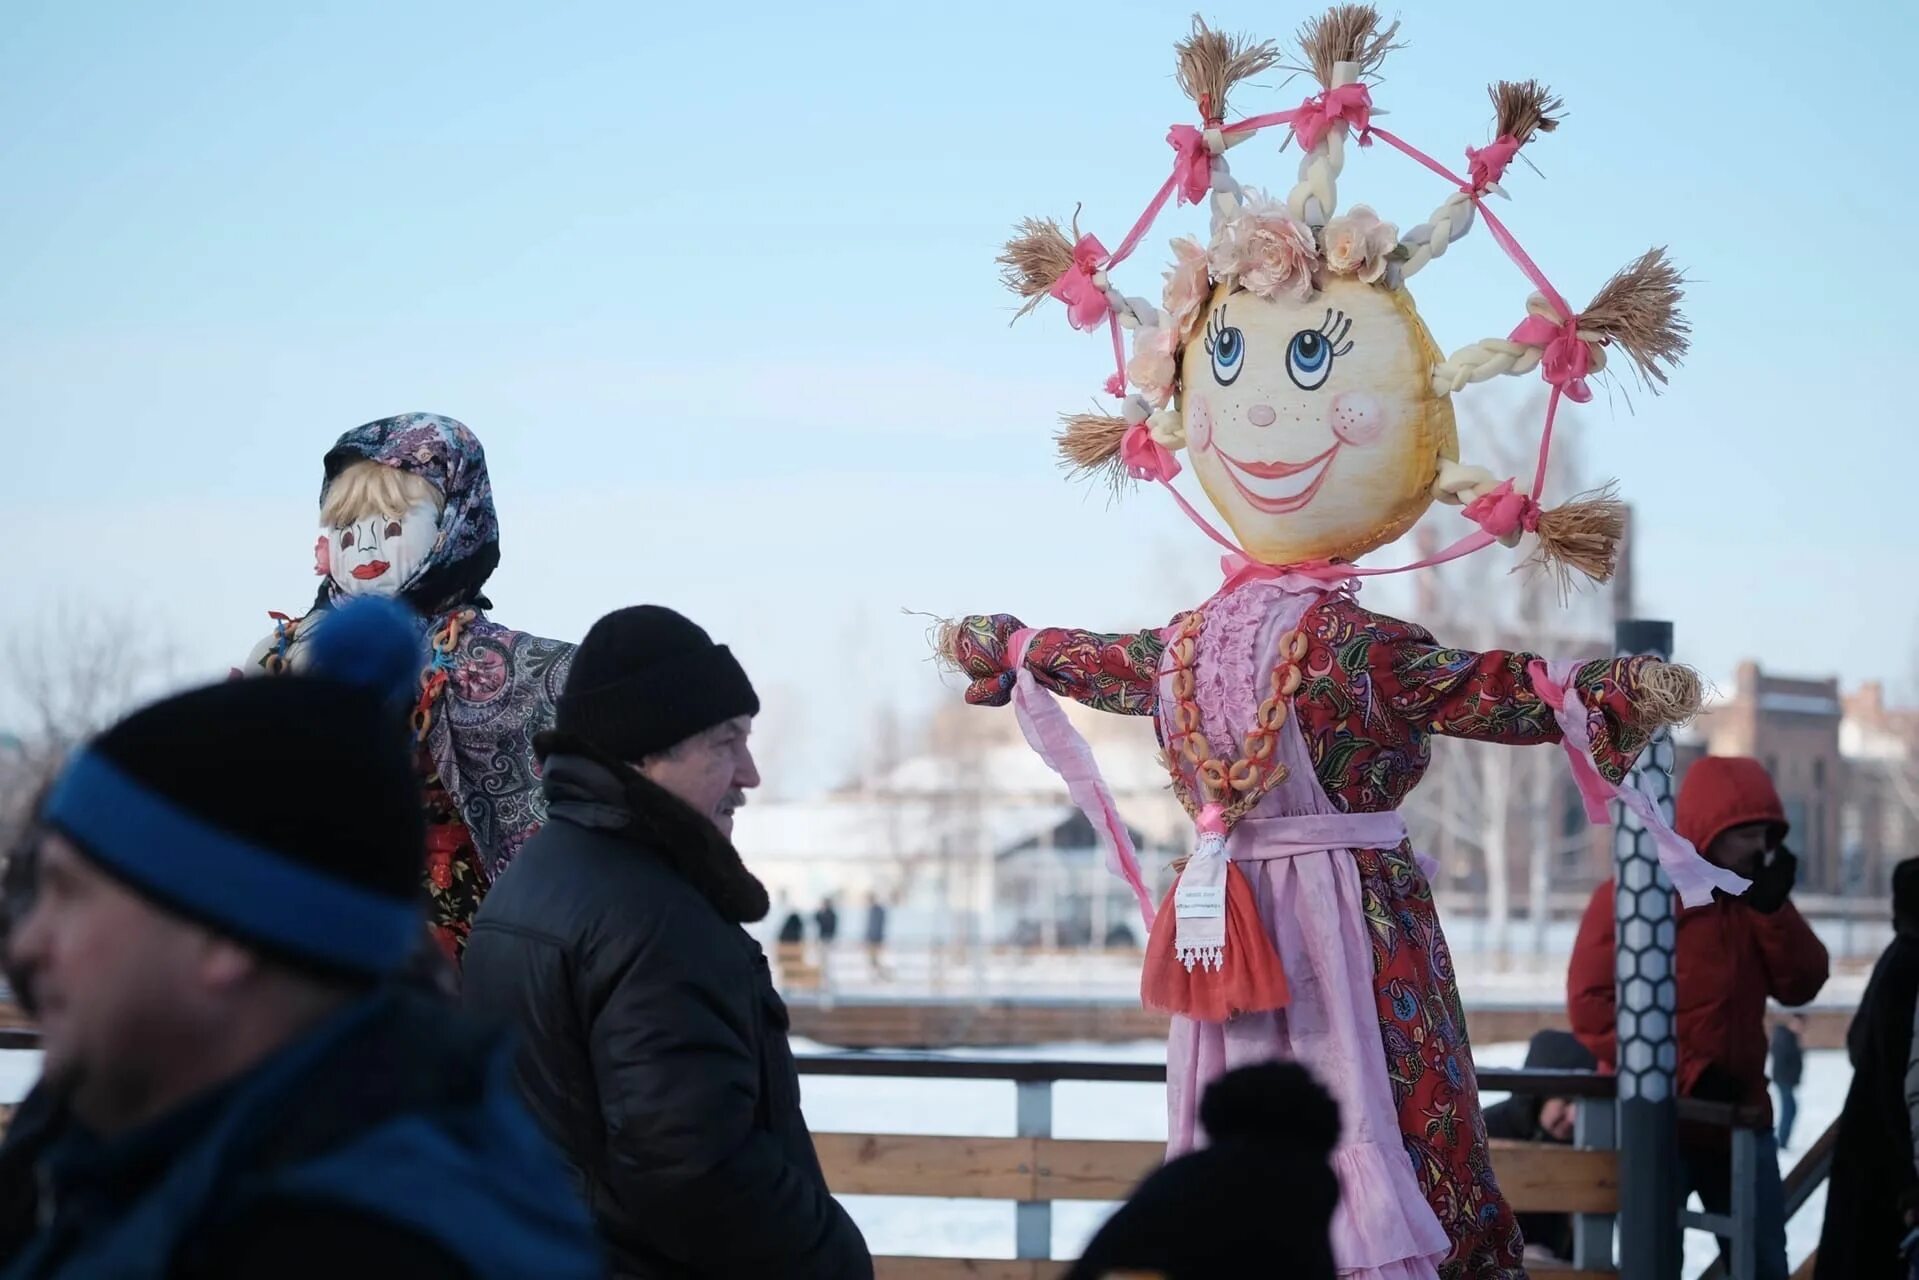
x,y
1199,901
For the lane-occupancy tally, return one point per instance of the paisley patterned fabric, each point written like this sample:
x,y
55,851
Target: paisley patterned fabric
x,y
1376,690
501,693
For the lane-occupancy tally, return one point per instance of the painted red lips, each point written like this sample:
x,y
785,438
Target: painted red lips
x,y
1278,488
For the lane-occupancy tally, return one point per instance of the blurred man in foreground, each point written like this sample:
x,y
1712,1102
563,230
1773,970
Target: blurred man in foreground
x,y
225,883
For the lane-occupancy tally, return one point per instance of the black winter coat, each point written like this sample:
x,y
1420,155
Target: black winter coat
x,y
655,1049
1872,1163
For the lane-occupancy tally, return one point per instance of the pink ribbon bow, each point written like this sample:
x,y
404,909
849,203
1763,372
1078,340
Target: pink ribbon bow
x,y
1503,512
1352,103
1238,569
1487,164
1193,169
1144,457
1567,358
1085,301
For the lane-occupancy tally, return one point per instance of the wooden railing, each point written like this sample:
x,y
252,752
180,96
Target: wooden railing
x,y
1034,1169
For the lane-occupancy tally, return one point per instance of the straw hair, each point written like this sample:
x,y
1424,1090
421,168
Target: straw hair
x,y
1089,446
1638,312
1522,108
1212,62
368,489
1034,260
945,638
1669,694
1582,537
1346,33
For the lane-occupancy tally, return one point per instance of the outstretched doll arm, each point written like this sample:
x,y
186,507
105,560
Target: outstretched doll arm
x,y
1493,696
1108,672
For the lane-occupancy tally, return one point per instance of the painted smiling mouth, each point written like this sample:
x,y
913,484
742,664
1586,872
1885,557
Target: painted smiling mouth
x,y
370,570
1278,487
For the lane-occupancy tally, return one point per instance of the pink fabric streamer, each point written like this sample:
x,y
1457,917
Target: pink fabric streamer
x,y
1316,116
1085,301
1693,878
1503,512
1487,164
1054,739
1192,177
1144,457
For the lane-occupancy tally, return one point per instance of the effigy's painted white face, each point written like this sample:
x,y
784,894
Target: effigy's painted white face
x,y
1313,426
379,554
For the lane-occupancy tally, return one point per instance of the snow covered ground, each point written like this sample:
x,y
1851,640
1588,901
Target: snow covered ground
x,y
897,1224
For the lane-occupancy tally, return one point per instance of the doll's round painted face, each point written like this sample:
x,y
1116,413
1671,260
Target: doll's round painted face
x,y
378,554
1313,426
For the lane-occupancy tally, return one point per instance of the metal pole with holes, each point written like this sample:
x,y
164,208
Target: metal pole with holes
x,y
1644,925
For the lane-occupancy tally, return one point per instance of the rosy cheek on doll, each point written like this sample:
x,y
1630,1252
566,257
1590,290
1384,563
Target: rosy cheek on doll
x,y
1357,418
1199,423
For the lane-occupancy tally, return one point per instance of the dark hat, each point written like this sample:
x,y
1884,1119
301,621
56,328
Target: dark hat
x,y
646,679
1258,1201
284,812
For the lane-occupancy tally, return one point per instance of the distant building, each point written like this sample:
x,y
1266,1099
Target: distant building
x,y
971,816
1792,725
1879,823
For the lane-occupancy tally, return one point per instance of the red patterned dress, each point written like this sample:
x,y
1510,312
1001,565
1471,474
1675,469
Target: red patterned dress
x,y
1374,691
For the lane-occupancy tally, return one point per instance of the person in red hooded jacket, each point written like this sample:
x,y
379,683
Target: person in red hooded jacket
x,y
1732,955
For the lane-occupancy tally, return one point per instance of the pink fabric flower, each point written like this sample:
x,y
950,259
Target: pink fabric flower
x,y
1155,363
1267,249
323,556
1187,282
1357,243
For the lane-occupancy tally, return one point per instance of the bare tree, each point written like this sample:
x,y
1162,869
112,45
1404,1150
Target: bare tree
x,y
67,675
1482,799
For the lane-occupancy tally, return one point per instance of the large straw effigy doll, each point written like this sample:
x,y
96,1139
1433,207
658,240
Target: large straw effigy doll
x,y
1289,364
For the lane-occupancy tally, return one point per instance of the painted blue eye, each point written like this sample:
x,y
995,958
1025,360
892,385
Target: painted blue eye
x,y
1228,347
1309,359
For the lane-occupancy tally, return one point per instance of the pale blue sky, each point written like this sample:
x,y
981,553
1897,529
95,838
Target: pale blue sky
x,y
714,285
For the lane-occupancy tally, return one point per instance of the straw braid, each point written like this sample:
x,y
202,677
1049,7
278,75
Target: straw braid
x,y
1315,196
1449,223
1491,358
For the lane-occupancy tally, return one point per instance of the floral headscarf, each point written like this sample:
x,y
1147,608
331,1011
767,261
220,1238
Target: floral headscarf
x,y
447,455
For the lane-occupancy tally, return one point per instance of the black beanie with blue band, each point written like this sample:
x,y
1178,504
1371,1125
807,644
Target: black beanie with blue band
x,y
283,812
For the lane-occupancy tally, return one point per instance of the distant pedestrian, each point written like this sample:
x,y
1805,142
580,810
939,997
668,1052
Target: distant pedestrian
x,y
826,921
232,1086
876,937
1872,1163
1256,1201
1524,1118
1788,1069
655,1045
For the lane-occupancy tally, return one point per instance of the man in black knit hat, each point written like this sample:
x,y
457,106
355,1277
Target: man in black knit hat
x,y
655,1047
225,883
